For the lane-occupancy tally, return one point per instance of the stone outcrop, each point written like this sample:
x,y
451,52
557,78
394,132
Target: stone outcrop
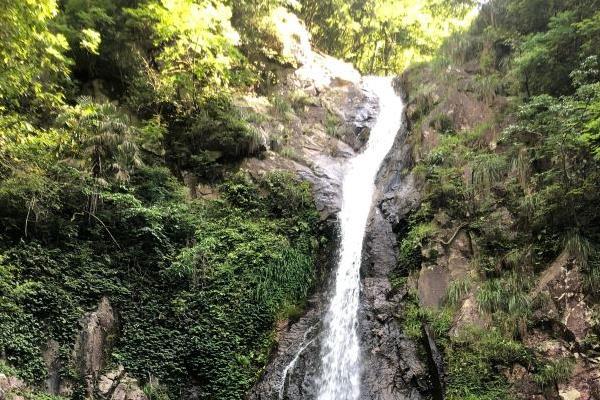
x,y
469,314
94,342
318,157
92,348
117,385
562,283
53,366
10,385
445,261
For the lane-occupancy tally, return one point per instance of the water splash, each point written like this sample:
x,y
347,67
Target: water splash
x,y
340,349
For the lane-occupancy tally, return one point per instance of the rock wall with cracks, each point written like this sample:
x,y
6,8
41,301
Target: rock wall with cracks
x,y
392,367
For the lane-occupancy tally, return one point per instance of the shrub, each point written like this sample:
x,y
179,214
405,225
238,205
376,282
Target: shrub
x,y
409,257
555,372
474,361
457,290
216,133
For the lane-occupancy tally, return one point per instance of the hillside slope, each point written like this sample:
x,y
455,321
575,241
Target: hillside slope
x,y
503,252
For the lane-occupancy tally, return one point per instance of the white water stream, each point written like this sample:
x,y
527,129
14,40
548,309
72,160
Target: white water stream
x,y
340,349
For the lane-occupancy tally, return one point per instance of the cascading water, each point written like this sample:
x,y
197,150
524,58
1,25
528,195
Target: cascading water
x,y
340,349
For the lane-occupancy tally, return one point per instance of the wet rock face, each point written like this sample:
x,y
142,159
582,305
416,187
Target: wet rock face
x,y
295,364
293,372
392,369
392,366
358,108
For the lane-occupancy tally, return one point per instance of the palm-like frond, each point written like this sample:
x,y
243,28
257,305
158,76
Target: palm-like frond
x,y
106,138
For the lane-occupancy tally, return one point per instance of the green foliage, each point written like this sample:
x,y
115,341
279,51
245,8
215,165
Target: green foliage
x,y
508,294
488,169
538,49
201,142
522,199
555,372
288,152
33,64
442,123
457,290
382,36
445,186
7,369
474,361
91,202
474,357
103,139
409,257
155,391
333,125
198,286
196,47
282,107
42,396
414,316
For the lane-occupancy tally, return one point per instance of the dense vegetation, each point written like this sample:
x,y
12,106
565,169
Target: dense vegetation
x,y
523,184
383,36
108,107
105,107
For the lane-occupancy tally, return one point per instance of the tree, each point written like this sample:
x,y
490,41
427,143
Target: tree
x,y
195,53
103,140
32,56
382,36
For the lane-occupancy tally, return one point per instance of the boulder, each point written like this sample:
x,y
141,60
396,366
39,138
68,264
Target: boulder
x,y
562,282
469,315
432,285
108,381
117,385
569,394
128,389
10,383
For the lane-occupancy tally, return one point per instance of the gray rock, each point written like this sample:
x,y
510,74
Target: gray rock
x,y
432,285
94,342
11,383
53,365
292,371
108,381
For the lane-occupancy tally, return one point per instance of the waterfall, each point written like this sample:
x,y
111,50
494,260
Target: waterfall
x,y
340,349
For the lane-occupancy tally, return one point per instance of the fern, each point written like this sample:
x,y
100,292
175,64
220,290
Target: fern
x,y
457,290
